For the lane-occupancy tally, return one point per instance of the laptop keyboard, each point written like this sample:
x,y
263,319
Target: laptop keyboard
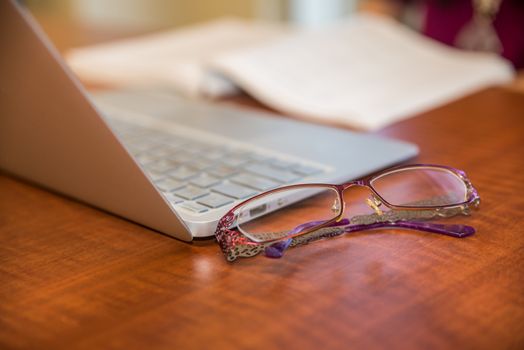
x,y
200,176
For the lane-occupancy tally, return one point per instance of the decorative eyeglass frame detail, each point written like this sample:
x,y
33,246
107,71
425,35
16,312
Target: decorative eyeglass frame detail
x,y
234,244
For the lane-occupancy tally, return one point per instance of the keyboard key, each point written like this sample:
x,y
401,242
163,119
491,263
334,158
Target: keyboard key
x,y
169,184
172,141
234,190
183,157
171,198
161,166
280,175
214,154
141,145
200,164
205,180
306,170
154,176
236,160
194,207
162,152
259,157
183,173
253,181
283,164
201,148
191,192
222,170
215,200
145,158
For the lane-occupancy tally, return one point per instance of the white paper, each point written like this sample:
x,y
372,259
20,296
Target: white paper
x,y
177,58
367,72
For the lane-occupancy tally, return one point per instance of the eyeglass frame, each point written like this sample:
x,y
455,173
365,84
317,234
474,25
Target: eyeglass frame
x,y
231,240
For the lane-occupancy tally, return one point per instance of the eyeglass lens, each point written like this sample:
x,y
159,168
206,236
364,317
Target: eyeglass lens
x,y
421,187
298,209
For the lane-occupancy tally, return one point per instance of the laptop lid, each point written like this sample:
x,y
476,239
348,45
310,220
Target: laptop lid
x,y
52,135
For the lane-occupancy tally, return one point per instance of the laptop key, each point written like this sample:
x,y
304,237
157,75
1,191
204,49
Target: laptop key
x,y
259,157
214,154
200,164
169,184
205,180
236,160
222,170
141,146
283,164
154,176
214,200
160,166
145,158
173,141
234,190
162,152
253,181
194,207
191,192
171,198
279,175
183,157
184,173
306,170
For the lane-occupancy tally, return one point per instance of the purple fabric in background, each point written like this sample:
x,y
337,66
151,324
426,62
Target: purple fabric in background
x,y
445,18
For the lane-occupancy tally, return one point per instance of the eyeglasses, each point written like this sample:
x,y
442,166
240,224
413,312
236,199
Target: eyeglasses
x,y
400,197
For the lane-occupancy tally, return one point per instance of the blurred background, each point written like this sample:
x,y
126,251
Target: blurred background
x,y
90,21
147,14
73,23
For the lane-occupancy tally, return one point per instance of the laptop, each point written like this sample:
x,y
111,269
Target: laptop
x,y
150,156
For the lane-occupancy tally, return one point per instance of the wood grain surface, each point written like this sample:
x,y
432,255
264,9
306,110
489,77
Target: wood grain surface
x,y
72,276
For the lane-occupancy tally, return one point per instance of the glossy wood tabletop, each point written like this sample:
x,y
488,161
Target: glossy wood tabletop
x,y
75,277
72,276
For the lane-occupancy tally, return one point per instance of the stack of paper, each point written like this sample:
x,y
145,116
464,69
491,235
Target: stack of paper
x,y
367,71
178,58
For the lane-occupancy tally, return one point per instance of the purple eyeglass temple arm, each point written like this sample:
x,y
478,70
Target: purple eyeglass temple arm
x,y
454,230
337,228
458,231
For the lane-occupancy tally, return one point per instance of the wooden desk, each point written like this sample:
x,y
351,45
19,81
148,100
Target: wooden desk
x,y
75,277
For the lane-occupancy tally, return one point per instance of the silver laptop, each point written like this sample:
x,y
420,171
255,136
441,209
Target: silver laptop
x,y
167,163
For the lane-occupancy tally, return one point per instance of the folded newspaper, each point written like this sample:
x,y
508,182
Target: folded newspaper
x,y
366,71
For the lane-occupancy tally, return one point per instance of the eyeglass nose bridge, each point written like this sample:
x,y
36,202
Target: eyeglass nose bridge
x,y
336,208
373,201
